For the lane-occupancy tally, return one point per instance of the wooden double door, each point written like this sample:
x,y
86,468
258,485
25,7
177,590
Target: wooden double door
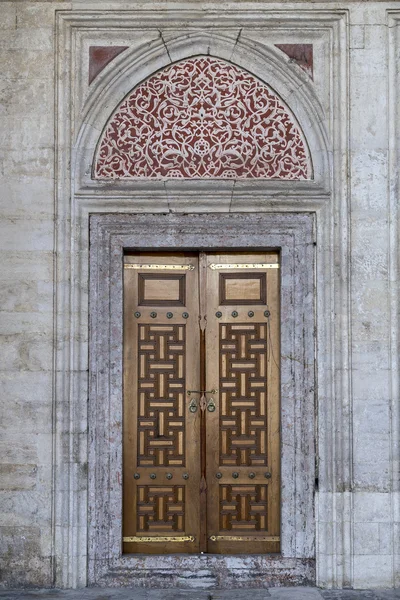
x,y
201,403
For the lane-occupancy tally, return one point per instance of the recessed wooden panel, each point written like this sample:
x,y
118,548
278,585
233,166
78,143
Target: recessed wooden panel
x,y
242,288
156,289
236,289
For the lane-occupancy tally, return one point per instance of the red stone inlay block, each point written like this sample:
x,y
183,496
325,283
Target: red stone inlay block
x,y
100,57
302,54
202,118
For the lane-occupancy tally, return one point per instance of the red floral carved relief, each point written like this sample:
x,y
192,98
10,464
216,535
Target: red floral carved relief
x,y
202,118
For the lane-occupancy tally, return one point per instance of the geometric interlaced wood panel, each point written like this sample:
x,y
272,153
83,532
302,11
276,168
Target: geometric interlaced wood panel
x,y
161,390
161,508
243,385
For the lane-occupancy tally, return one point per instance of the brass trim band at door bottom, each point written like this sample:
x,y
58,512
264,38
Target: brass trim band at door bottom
x,y
166,538
144,266
244,538
215,266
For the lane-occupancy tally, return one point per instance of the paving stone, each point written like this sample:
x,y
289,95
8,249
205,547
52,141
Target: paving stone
x,y
377,594
292,593
300,593
242,594
348,594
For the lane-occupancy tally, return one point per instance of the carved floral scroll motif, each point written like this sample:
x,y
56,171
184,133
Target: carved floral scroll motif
x,y
202,118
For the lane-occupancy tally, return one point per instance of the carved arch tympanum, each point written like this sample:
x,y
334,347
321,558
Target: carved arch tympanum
x,y
202,118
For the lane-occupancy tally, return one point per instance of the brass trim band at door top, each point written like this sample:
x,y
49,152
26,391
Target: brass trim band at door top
x,y
166,538
160,267
244,538
215,266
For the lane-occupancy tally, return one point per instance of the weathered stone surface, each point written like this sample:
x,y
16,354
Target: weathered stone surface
x,y
50,125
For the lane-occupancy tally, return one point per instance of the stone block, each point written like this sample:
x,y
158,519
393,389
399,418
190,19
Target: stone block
x,y
19,322
372,571
368,178
357,36
26,297
369,267
17,477
18,235
305,593
370,353
26,133
8,18
35,15
371,385
325,537
34,162
17,39
368,132
26,266
371,60
371,475
25,447
368,14
372,444
370,316
27,404
21,560
17,448
386,538
25,97
371,418
27,64
366,538
365,233
396,537
25,508
371,507
26,352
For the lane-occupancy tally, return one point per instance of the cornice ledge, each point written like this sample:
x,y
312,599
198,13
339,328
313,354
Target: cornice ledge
x,y
159,15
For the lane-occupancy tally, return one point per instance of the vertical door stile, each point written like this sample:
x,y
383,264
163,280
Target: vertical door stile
x,y
203,415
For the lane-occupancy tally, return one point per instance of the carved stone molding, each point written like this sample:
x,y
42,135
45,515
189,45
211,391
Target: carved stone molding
x,y
293,236
265,62
245,37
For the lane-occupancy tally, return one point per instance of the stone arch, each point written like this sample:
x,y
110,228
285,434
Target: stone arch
x,y
202,117
268,65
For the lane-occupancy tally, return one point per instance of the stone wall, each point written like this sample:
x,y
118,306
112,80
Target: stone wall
x,y
27,292
43,416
